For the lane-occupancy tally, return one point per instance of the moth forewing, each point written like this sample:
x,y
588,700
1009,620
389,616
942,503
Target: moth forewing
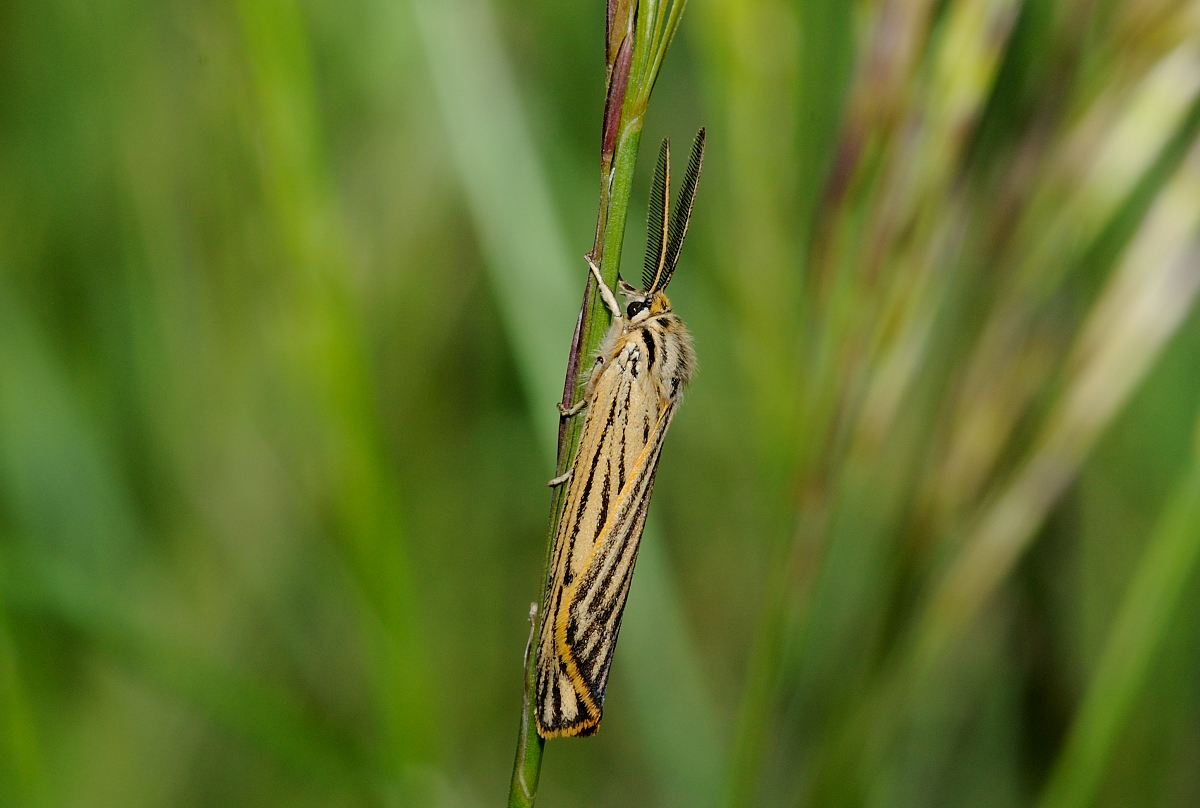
x,y
644,364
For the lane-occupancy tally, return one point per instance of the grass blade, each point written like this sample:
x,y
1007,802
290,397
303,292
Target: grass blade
x,y
1170,560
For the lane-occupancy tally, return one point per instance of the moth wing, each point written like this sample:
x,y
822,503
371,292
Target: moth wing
x,y
611,471
564,702
588,630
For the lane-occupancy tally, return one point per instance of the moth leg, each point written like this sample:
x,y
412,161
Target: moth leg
x,y
557,481
533,610
605,292
567,412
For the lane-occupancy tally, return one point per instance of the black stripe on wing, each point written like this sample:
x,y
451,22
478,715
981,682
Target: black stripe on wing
x,y
591,452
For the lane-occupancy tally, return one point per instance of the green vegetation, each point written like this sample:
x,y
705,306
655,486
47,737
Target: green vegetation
x,y
286,296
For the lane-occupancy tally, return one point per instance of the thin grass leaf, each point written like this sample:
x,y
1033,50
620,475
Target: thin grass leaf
x,y
1142,305
1002,375
326,327
1170,560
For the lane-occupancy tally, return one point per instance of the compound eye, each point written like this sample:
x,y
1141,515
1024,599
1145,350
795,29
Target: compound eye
x,y
633,308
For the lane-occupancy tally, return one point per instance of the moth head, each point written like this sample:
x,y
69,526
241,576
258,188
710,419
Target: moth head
x,y
641,305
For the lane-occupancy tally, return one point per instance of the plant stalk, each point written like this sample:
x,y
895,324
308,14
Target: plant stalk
x,y
632,60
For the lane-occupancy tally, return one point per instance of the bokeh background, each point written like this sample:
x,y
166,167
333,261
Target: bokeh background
x,y
286,291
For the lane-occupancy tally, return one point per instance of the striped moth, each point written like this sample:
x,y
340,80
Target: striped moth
x,y
641,369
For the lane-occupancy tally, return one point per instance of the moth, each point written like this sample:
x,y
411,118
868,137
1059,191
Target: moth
x,y
641,370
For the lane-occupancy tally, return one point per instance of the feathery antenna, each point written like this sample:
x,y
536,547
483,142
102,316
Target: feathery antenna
x,y
656,219
683,213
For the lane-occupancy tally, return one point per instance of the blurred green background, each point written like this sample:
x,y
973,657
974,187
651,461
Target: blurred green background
x,y
286,291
